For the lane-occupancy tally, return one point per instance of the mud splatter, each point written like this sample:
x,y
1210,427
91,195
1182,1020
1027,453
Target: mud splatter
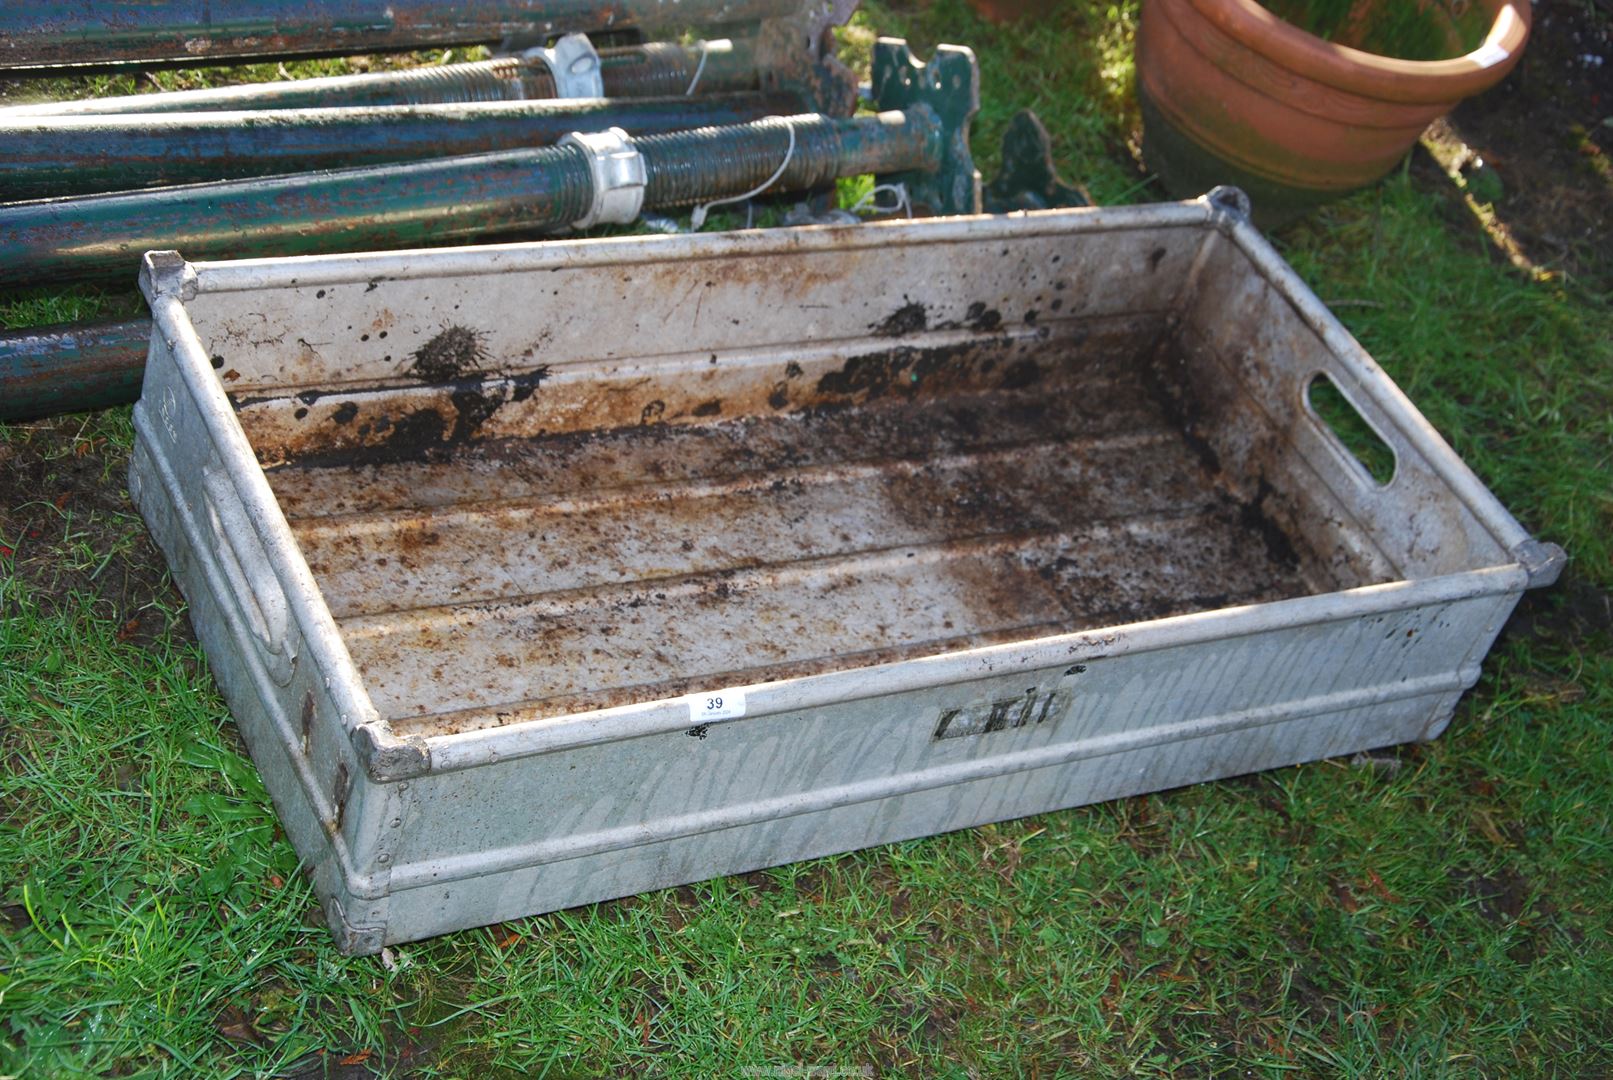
x,y
982,319
455,351
910,318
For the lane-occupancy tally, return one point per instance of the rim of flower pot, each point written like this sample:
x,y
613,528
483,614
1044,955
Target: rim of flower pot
x,y
1368,74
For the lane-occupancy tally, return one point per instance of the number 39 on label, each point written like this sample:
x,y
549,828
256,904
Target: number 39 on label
x,y
716,705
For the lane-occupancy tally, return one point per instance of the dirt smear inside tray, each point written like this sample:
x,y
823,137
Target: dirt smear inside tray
x,y
920,502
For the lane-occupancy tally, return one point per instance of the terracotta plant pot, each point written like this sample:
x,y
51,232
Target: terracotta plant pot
x,y
1230,93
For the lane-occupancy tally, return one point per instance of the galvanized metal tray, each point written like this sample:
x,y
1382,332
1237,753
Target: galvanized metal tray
x,y
541,574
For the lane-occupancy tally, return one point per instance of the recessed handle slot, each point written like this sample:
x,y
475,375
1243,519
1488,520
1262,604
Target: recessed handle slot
x,y
245,564
1338,418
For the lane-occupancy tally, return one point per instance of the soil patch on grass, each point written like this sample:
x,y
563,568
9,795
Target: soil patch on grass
x,y
1568,615
69,531
1541,144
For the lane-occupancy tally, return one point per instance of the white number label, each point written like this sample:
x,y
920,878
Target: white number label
x,y
716,705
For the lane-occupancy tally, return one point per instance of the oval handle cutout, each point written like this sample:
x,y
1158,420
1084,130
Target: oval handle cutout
x,y
1339,417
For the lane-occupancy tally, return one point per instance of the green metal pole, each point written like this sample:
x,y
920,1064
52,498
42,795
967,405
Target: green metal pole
x,y
655,69
44,34
55,369
434,201
52,156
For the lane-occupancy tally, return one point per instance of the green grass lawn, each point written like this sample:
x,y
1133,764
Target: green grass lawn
x,y
1430,910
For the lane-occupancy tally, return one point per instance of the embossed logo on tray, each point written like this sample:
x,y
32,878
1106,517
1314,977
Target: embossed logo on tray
x,y
1033,707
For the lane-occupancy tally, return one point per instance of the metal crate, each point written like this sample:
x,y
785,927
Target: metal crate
x,y
541,574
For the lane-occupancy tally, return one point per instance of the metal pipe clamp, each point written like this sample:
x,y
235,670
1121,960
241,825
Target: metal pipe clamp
x,y
618,174
574,63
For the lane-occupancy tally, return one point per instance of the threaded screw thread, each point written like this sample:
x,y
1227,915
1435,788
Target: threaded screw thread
x,y
502,79
687,167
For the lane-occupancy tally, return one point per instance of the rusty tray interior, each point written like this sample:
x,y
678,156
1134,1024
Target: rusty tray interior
x,y
609,542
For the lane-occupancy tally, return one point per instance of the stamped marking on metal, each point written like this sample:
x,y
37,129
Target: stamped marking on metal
x,y
1033,707
716,705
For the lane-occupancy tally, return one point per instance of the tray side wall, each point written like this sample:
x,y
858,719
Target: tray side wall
x,y
628,300
1252,352
295,718
753,793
